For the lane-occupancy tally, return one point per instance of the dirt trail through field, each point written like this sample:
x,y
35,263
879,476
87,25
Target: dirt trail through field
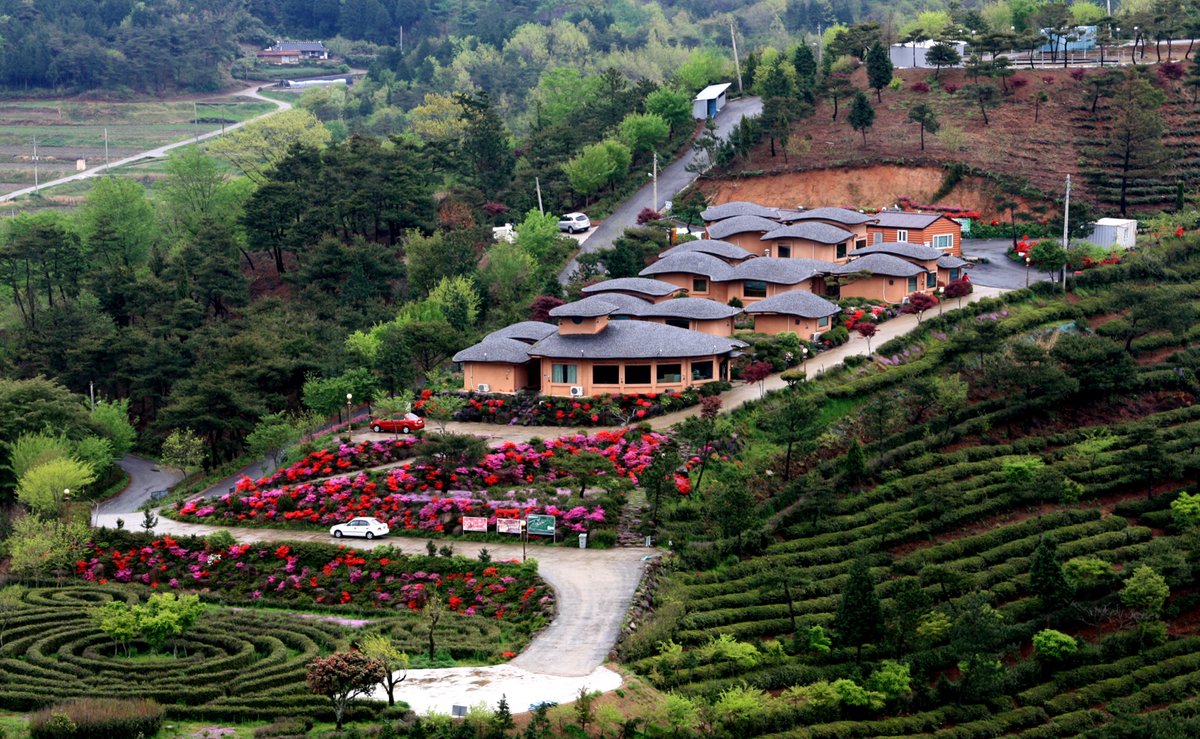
x,y
250,92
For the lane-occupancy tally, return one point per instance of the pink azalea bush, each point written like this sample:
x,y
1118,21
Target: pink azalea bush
x,y
342,459
319,575
512,481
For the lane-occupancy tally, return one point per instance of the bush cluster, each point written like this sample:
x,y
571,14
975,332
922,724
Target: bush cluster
x,y
97,718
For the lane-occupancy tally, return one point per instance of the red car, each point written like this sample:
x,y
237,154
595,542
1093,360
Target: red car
x,y
409,423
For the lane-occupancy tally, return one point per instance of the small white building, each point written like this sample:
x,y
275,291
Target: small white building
x,y
1114,232
910,56
709,102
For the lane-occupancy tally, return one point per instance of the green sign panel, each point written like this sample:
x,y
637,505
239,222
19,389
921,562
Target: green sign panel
x,y
540,524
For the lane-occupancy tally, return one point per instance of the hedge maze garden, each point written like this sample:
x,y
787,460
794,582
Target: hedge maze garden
x,y
988,534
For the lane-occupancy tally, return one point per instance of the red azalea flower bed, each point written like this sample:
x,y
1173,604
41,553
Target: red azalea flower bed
x,y
340,460
307,574
430,497
541,410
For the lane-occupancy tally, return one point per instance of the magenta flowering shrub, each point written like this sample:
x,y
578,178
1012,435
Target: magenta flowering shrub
x,y
321,575
426,496
342,459
548,410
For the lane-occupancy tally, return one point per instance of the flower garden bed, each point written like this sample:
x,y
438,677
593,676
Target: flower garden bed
x,y
319,575
342,459
532,409
431,497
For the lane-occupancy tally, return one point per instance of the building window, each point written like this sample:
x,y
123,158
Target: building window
x,y
606,374
860,244
931,279
637,374
564,374
901,235
702,370
877,237
785,251
954,274
699,285
823,322
841,251
754,289
669,373
622,317
943,241
912,284
679,323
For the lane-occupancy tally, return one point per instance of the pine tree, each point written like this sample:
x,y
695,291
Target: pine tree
x,y
862,115
924,115
879,69
502,721
1133,153
1193,78
1046,578
854,464
859,618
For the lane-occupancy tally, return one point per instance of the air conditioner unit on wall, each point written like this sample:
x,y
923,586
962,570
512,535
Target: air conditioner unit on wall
x,y
483,387
816,335
576,391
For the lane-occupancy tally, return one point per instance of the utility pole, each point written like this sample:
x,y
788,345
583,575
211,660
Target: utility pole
x,y
36,184
1066,218
654,176
737,63
106,148
537,181
92,393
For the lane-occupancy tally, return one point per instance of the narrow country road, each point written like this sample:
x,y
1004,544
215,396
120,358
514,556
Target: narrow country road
x,y
671,179
251,92
145,476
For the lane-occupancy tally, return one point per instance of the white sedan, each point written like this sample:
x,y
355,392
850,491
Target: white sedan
x,y
366,527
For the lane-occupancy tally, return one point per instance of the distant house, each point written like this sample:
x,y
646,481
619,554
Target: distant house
x,y
653,291
709,101
501,363
912,55
802,313
293,52
929,229
948,267
1114,232
849,220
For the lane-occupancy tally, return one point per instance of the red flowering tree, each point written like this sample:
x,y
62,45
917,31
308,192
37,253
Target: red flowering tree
x,y
710,407
918,303
647,215
342,677
757,372
959,289
866,330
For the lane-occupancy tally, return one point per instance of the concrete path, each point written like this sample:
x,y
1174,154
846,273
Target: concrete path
x,y
671,179
145,476
251,92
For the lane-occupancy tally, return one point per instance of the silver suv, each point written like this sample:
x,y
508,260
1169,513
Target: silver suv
x,y
574,223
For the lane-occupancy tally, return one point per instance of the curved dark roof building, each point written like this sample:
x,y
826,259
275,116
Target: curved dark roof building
x,y
741,225
822,233
735,209
634,340
795,303
505,351
640,285
722,249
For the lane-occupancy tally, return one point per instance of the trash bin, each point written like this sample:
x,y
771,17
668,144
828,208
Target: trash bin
x,y
583,541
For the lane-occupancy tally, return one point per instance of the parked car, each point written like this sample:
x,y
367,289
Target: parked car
x,y
406,424
574,223
364,526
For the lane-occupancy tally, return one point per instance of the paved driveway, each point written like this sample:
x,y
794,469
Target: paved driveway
x,y
1001,271
671,179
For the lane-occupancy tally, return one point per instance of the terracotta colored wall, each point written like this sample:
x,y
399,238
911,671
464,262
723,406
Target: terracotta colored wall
x,y
751,241
503,378
925,236
584,374
586,326
736,289
771,323
805,249
877,288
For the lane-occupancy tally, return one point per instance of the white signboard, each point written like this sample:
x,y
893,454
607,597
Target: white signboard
x,y
475,523
508,525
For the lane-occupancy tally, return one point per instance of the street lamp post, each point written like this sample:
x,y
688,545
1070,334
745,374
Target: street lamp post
x,y
1027,270
67,501
349,408
804,360
524,536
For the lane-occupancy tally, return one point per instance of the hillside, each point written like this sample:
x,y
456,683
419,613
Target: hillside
x,y
1012,150
983,532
